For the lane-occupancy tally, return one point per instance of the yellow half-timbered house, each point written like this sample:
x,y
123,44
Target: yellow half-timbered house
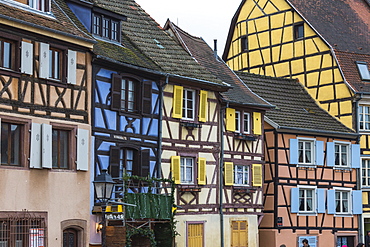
x,y
325,45
223,207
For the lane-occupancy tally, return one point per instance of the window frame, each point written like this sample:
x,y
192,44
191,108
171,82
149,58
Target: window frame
x,y
106,26
246,171
24,144
298,31
44,7
185,107
56,64
349,200
244,43
314,199
72,145
362,122
365,172
312,142
15,52
362,68
183,171
240,122
348,155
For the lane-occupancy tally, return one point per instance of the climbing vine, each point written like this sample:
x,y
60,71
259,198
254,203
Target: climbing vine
x,y
131,231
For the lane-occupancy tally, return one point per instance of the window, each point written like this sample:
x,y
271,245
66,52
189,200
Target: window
x,y
187,170
6,54
11,139
128,95
341,154
306,200
364,117
106,27
305,152
298,31
70,238
345,240
237,121
23,229
366,172
55,63
239,233
60,148
131,95
241,175
244,43
188,105
342,203
42,5
363,70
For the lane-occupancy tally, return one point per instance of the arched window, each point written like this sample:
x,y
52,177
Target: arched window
x,y
70,238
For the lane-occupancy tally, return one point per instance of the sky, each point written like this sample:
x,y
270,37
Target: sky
x,y
208,19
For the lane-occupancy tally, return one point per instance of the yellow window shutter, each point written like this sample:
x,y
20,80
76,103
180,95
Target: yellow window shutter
x,y
257,123
229,173
201,171
257,174
203,106
230,119
177,101
175,168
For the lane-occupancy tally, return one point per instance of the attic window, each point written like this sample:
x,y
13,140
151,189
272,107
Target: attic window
x,y
244,43
106,27
298,31
158,44
363,70
43,5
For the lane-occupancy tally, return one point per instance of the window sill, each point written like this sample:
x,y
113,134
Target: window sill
x,y
307,213
306,167
190,125
189,188
241,189
342,169
245,137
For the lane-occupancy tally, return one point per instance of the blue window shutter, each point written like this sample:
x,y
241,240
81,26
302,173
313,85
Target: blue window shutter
x,y
355,156
331,201
320,200
293,151
294,200
357,202
330,155
319,153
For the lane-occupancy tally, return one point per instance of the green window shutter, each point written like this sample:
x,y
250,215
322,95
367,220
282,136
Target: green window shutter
x,y
203,106
202,171
229,173
175,168
257,174
230,119
257,123
177,101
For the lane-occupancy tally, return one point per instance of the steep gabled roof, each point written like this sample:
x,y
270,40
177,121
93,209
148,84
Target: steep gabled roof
x,y
205,56
296,110
345,24
58,22
148,37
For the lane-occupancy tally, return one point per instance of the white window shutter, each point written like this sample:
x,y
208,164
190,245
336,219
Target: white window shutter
x,y
35,156
82,150
46,145
27,58
72,66
44,60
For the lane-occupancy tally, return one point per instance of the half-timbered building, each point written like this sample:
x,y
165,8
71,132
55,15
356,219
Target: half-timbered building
x,y
45,132
324,44
226,200
311,169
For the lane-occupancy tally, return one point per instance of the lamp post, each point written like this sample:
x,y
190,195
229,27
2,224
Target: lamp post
x,y
103,185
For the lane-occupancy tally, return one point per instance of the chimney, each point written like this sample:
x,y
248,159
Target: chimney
x,y
215,48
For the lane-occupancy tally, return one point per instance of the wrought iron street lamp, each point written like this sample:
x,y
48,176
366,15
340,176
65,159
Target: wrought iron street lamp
x,y
103,185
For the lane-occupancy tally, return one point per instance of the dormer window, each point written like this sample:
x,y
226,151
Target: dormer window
x,y
42,5
363,70
106,27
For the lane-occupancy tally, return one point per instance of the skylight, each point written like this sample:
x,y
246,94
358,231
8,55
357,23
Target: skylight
x,y
364,70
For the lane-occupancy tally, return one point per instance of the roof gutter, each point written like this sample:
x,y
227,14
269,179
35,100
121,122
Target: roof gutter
x,y
269,106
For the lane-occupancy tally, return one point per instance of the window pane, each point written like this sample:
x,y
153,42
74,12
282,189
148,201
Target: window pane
x,y
7,55
60,150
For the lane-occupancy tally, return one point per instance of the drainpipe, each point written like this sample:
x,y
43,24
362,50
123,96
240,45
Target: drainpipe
x,y
222,114
357,98
159,155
